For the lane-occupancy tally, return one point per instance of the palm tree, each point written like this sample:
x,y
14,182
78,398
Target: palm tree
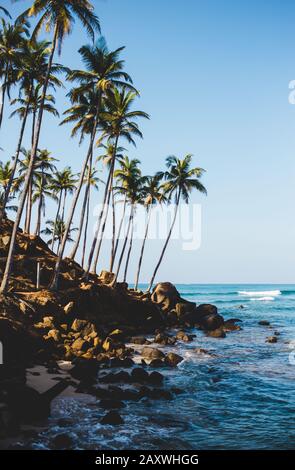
x,y
30,73
104,72
5,177
118,121
106,159
62,183
55,230
131,185
180,181
45,168
5,11
57,16
90,181
153,195
12,37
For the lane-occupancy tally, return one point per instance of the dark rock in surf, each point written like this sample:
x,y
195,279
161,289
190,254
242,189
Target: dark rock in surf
x,y
112,418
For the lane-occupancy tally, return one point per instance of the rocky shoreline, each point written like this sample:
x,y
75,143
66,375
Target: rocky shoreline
x,y
96,329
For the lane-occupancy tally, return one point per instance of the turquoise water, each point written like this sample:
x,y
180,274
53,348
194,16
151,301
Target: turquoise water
x,y
241,397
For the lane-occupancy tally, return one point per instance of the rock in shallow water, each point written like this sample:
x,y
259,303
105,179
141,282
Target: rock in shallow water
x,y
113,418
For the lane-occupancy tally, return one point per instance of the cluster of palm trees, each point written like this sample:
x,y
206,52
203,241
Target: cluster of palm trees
x,y
102,98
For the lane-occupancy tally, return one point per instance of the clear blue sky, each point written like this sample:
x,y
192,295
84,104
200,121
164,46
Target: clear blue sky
x,y
214,77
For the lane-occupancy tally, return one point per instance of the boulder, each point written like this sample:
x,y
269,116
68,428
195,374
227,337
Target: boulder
x,y
69,308
218,333
155,378
111,404
54,334
264,323
79,325
163,339
139,375
272,339
62,441
166,296
113,418
152,353
80,345
139,340
173,359
182,336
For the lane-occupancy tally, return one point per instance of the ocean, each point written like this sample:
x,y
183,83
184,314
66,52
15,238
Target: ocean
x,y
239,396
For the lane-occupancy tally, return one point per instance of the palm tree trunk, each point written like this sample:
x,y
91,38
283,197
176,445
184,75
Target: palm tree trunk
x,y
29,208
106,193
54,282
64,206
166,243
142,247
56,218
8,267
3,92
82,218
118,236
10,182
40,203
123,248
94,266
113,225
85,231
129,251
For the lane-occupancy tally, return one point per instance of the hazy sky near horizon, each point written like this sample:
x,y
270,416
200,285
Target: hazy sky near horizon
x,y
214,77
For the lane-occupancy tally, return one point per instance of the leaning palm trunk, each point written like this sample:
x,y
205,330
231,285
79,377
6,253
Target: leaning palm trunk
x,y
82,218
55,220
3,93
54,282
113,224
118,236
110,192
11,178
166,243
123,248
106,193
85,231
143,247
4,284
29,208
129,252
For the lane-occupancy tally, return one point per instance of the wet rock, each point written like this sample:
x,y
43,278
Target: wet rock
x,y
111,404
218,333
152,353
139,375
264,323
173,359
230,325
277,333
164,340
271,339
63,422
139,340
183,308
155,378
157,363
84,369
62,441
182,336
113,418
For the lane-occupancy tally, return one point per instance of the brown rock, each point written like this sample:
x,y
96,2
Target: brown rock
x,y
80,345
152,353
218,333
173,359
271,339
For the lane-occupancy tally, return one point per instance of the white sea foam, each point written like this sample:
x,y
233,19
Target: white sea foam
x,y
264,299
266,293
